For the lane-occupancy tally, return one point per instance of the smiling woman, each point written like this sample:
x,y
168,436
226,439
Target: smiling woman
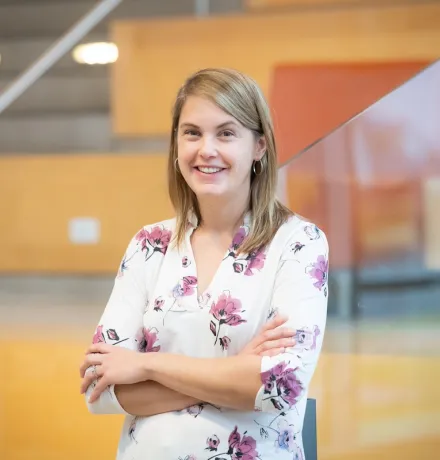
x,y
215,323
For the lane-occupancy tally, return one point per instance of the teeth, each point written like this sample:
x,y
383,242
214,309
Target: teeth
x,y
209,170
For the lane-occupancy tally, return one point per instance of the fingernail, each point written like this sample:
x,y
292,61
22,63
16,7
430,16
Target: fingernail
x,y
291,332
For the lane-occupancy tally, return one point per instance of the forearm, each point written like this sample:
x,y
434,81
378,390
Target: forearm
x,y
228,382
151,398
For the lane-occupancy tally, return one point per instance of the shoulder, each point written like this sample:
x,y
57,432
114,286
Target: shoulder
x,y
155,234
158,229
302,235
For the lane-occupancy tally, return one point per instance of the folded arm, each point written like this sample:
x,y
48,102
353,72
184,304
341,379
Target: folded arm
x,y
268,384
121,325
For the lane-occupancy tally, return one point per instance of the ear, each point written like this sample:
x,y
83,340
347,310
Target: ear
x,y
260,148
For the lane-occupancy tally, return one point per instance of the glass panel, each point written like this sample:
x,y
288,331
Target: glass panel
x,y
373,185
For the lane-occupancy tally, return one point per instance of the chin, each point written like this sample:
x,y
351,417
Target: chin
x,y
209,192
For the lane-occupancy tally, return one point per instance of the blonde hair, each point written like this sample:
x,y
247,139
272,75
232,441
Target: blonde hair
x,y
239,96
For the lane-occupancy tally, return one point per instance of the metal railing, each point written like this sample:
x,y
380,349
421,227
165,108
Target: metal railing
x,y
56,52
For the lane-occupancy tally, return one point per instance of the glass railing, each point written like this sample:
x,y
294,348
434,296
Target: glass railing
x,y
373,185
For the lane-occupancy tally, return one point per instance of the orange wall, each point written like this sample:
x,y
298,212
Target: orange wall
x,y
379,217
311,100
156,56
42,193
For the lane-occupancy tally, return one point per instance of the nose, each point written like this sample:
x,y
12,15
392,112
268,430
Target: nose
x,y
208,148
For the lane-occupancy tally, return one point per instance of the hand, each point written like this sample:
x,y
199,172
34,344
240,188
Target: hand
x,y
111,365
272,340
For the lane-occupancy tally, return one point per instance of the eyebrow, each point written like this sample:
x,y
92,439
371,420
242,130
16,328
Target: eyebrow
x,y
226,123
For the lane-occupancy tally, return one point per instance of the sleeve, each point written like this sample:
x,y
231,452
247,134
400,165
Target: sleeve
x,y
300,293
121,322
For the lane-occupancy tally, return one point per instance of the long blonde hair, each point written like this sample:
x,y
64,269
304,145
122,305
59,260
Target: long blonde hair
x,y
239,96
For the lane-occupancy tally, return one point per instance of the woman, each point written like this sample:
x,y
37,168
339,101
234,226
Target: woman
x,y
196,292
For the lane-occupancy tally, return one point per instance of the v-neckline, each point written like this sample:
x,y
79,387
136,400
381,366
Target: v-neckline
x,y
192,227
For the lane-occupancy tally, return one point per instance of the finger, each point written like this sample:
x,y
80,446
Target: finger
x,y
99,348
273,352
100,387
275,322
95,373
88,379
273,334
272,344
90,360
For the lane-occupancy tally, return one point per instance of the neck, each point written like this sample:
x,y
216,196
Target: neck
x,y
222,216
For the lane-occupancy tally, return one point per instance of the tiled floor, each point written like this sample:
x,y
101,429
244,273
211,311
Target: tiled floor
x,y
376,384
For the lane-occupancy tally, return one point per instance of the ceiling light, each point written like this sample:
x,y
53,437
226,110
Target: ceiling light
x,y
96,53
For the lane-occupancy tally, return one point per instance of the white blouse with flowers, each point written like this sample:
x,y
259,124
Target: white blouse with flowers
x,y
155,307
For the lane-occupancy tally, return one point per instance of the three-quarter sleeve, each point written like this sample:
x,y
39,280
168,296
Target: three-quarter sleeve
x,y
300,293
121,322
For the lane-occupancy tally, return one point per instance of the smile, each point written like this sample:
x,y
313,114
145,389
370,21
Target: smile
x,y
208,170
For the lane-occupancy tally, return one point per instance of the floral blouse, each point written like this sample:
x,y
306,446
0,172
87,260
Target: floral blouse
x,y
155,307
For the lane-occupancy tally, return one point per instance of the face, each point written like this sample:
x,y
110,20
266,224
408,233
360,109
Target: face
x,y
215,151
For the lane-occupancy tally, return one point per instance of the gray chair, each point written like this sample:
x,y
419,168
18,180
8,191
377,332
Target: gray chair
x,y
310,439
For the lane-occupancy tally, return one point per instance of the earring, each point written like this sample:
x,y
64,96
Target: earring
x,y
176,166
260,168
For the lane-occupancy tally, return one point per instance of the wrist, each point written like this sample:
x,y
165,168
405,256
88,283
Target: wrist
x,y
149,361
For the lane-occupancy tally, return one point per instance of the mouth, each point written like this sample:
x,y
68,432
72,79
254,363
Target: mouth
x,y
209,170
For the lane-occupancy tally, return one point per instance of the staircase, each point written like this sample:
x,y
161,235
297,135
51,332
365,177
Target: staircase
x,y
68,109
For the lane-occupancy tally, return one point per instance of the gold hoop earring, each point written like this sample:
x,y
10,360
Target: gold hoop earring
x,y
260,168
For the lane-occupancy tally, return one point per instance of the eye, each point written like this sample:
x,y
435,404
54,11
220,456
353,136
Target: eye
x,y
191,132
227,133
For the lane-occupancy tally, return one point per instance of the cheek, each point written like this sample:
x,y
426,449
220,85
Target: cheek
x,y
185,153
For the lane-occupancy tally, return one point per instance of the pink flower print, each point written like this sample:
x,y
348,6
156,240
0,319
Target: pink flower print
x,y
237,241
158,239
224,342
256,262
225,311
269,378
306,338
189,283
99,335
312,231
185,262
286,436
188,457
158,304
319,272
242,448
147,340
290,387
186,287
213,443
238,268
112,334
281,382
195,410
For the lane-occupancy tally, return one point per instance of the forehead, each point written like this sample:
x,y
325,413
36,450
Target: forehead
x,y
201,111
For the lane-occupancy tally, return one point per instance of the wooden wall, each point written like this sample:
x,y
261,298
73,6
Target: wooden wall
x,y
259,5
40,194
156,56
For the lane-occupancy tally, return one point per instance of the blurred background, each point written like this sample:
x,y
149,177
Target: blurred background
x,y
354,88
